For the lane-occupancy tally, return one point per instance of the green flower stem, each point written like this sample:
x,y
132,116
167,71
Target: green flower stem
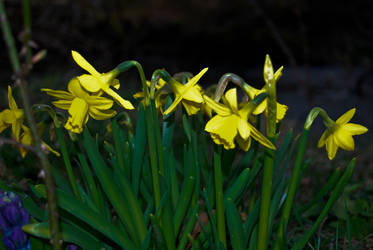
x,y
269,156
312,116
219,196
329,204
66,160
153,154
51,196
294,180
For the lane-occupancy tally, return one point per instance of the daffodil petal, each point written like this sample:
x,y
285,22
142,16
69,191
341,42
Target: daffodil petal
x,y
124,103
251,91
62,104
191,108
78,115
346,117
223,130
278,74
323,139
355,129
7,116
50,149
12,102
231,97
115,83
193,94
101,114
344,139
260,137
244,144
99,102
219,108
138,95
16,128
79,59
281,111
195,78
177,100
331,148
89,82
243,129
60,94
76,89
261,107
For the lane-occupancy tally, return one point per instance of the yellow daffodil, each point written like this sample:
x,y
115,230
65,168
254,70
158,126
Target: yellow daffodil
x,y
262,107
12,116
26,138
230,123
95,81
188,94
159,95
340,133
80,105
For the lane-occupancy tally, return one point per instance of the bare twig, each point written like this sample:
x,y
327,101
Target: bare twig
x,y
16,143
21,82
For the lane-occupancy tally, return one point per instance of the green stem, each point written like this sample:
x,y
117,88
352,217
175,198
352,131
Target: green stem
x,y
269,155
219,196
51,196
295,176
67,162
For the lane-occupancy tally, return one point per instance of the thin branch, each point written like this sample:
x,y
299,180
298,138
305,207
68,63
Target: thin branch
x,y
21,82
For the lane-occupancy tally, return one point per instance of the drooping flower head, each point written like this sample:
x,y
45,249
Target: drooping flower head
x,y
231,124
188,94
159,95
12,117
80,105
95,82
339,134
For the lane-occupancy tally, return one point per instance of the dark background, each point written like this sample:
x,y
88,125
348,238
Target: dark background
x,y
325,46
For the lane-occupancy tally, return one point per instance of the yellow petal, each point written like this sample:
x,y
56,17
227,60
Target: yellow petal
x,y
101,114
244,144
138,95
50,149
191,108
177,100
99,102
346,117
344,139
16,128
195,78
281,111
331,148
251,91
231,97
124,103
76,89
355,129
84,64
323,139
3,125
278,73
219,108
260,137
115,83
193,94
12,102
62,104
60,94
89,82
243,129
7,116
261,107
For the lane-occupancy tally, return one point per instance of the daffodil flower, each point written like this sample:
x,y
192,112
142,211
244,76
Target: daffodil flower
x,y
80,105
262,107
26,138
230,123
95,81
12,116
159,94
188,94
340,133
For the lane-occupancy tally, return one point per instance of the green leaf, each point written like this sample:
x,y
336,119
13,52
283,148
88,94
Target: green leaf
x,y
70,233
234,225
